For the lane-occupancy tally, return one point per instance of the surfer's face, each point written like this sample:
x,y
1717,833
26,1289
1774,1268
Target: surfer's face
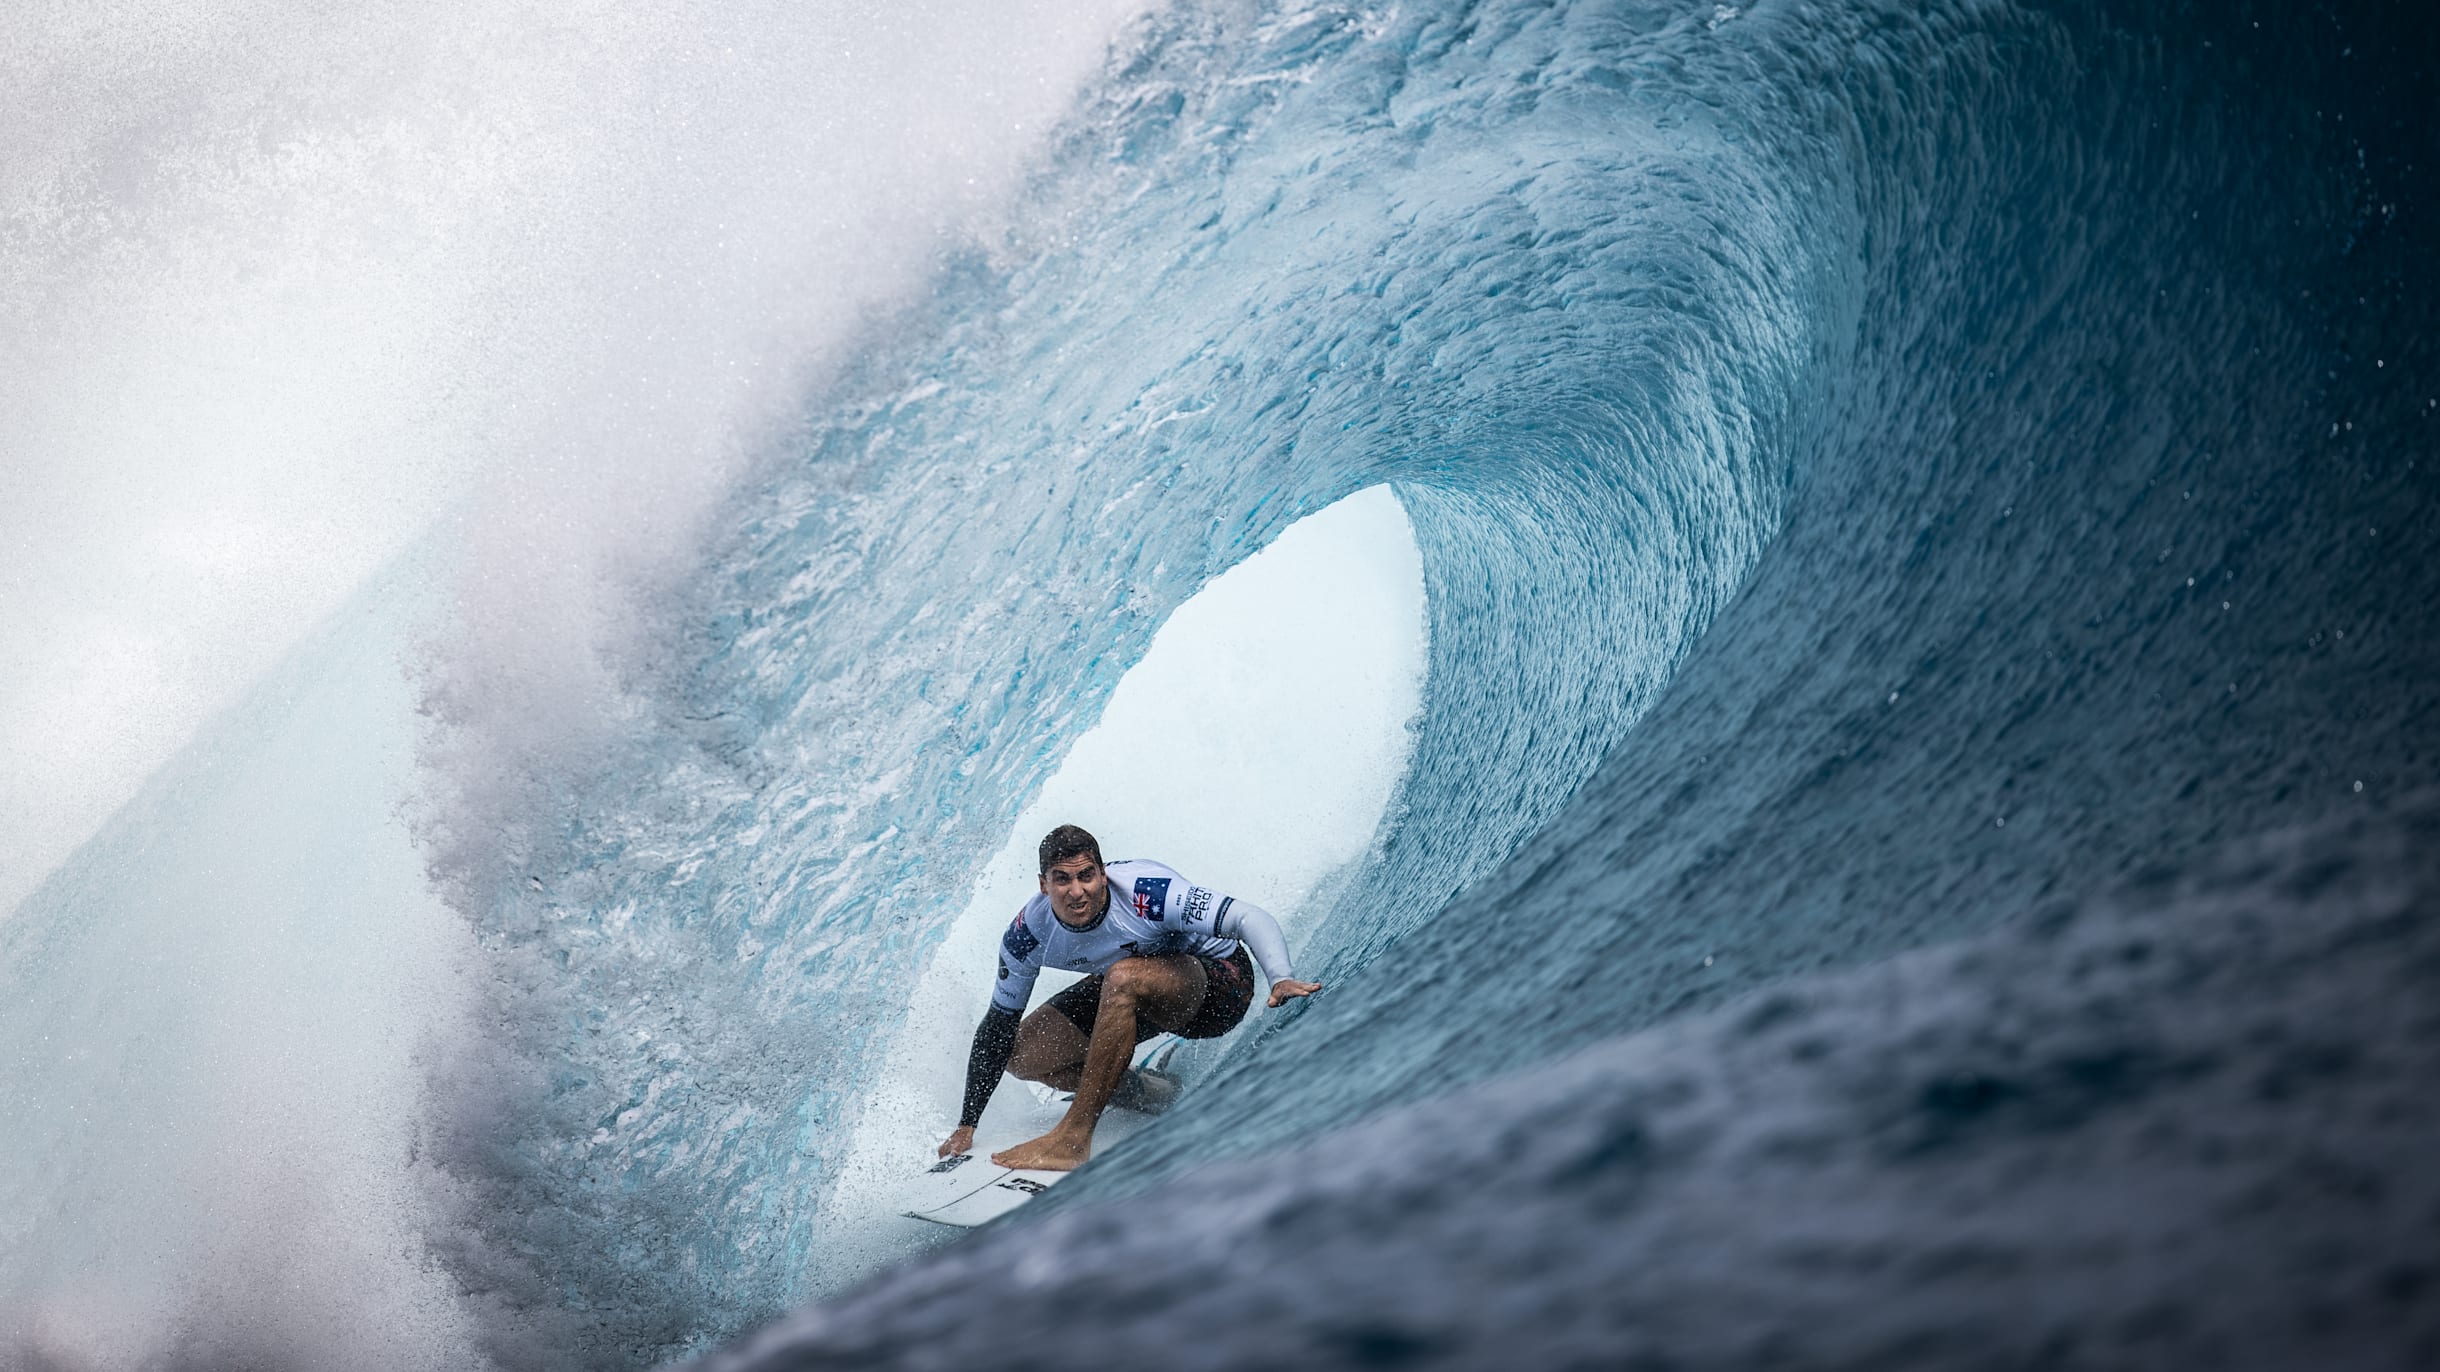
x,y
1078,889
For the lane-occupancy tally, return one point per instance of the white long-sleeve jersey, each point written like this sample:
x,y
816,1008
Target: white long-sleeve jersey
x,y
1152,911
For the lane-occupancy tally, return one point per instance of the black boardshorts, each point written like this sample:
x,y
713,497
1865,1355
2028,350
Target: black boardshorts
x,y
1228,988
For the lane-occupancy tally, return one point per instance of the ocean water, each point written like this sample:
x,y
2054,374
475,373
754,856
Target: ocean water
x,y
1914,847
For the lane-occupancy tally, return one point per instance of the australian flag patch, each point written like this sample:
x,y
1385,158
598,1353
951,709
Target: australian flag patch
x,y
1151,897
1020,941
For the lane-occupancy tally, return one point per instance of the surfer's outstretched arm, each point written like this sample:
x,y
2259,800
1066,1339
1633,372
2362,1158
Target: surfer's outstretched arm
x,y
1253,926
995,1041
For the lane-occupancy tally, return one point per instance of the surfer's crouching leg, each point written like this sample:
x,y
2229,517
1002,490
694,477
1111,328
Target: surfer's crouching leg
x,y
1164,990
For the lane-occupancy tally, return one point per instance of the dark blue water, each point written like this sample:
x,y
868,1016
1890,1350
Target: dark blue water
x,y
2108,518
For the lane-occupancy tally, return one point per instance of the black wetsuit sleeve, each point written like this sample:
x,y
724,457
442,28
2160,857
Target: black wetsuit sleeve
x,y
995,1041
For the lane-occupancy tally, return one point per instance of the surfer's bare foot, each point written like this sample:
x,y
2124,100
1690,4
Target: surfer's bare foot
x,y
1057,1151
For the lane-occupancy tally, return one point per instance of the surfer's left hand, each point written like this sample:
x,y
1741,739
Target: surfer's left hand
x,y
1288,988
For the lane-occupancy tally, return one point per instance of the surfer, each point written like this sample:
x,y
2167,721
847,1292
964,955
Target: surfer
x,y
1165,956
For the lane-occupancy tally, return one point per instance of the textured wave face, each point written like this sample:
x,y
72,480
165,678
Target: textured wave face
x,y
1231,300
1876,467
2107,540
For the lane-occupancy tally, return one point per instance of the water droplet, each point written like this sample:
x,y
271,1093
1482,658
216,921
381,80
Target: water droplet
x,y
2359,786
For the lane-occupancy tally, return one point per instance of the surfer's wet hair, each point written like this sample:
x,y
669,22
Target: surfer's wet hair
x,y
1065,842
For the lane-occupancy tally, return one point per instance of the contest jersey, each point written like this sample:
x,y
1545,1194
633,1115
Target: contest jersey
x,y
1152,911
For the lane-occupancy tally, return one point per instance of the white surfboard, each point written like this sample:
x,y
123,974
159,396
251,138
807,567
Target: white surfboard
x,y
970,1189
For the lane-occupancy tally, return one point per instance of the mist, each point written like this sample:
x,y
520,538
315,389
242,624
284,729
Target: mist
x,y
287,289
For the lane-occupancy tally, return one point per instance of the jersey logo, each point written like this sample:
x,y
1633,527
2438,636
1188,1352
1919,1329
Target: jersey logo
x,y
1198,903
1020,941
1151,897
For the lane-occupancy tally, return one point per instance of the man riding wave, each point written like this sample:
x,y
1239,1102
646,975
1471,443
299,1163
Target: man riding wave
x,y
1165,956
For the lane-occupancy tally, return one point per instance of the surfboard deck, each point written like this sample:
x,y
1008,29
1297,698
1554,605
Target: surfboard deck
x,y
968,1189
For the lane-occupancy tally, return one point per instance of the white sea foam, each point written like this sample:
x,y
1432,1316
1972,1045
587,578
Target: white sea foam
x,y
213,1034
282,284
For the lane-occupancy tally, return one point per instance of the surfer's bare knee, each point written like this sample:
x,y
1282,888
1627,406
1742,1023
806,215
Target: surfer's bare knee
x,y
1141,980
1161,988
1130,980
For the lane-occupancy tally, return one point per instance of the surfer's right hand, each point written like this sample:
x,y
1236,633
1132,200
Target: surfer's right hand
x,y
1287,989
960,1142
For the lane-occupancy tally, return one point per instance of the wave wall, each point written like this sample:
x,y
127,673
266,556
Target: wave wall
x,y
1880,470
